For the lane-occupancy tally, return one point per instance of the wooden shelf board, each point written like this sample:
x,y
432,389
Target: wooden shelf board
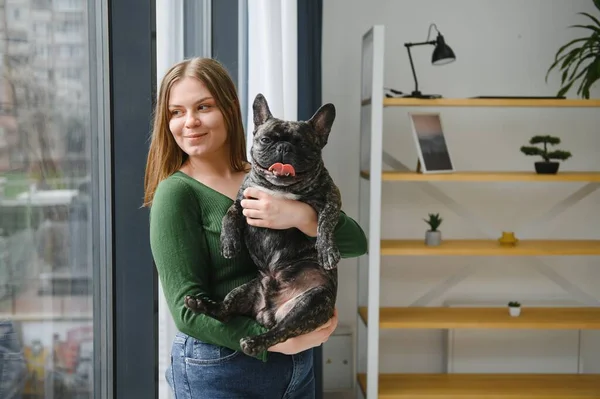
x,y
491,248
548,318
488,386
491,102
517,176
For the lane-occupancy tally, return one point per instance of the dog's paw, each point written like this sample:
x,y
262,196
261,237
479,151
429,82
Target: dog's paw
x,y
230,247
330,258
198,305
250,346
329,254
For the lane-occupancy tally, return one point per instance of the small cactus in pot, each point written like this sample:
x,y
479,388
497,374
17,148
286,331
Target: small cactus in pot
x,y
433,236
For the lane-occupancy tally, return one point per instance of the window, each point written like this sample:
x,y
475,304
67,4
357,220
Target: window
x,y
46,220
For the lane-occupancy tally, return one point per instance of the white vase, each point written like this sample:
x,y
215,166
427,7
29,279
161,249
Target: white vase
x,y
433,238
514,311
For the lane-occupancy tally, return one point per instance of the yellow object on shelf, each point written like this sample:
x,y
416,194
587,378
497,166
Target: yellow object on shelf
x,y
508,239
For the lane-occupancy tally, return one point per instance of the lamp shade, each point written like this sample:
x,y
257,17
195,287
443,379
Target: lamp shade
x,y
442,53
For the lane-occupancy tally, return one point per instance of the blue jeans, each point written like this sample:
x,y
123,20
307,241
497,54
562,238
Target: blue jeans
x,y
13,369
204,371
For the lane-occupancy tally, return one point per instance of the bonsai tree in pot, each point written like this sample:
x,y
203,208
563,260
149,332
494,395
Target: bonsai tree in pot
x,y
584,53
514,308
433,236
546,166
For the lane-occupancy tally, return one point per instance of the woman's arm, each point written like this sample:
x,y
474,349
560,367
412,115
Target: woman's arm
x,y
350,237
308,340
182,260
265,210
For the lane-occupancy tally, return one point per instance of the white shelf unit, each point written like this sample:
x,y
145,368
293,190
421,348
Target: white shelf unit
x,y
371,149
371,317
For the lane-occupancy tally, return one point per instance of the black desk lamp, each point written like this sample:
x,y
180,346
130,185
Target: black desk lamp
x,y
442,54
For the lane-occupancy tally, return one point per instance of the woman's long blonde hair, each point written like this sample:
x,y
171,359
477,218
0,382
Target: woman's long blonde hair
x,y
164,156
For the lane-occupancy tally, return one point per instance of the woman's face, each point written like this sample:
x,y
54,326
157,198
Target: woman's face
x,y
196,122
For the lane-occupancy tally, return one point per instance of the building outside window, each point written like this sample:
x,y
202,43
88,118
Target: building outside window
x,y
46,279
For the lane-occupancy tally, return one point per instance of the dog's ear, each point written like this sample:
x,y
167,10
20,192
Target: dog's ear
x,y
261,110
322,120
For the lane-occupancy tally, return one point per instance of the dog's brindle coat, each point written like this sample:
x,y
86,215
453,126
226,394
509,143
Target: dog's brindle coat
x,y
296,287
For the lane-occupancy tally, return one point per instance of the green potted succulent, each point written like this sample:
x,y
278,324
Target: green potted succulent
x,y
433,236
579,59
514,308
547,166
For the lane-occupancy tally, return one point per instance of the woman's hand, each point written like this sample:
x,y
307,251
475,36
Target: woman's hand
x,y
265,210
308,340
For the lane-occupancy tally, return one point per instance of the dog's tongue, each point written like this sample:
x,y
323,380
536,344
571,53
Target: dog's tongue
x,y
280,169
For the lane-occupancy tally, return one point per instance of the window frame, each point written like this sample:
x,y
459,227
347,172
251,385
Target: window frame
x,y
126,300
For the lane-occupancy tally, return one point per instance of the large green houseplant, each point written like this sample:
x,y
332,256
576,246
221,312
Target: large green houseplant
x,y
579,59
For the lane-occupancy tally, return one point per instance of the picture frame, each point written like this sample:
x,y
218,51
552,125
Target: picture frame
x,y
432,147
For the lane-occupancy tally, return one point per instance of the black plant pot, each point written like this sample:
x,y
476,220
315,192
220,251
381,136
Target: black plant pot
x,y
546,168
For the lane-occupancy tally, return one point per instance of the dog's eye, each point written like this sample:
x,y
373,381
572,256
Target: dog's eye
x,y
265,140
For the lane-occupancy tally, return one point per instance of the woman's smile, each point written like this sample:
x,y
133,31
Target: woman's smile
x,y
195,136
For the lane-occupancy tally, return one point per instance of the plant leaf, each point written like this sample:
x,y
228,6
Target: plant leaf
x,y
552,140
581,91
573,79
572,55
565,89
555,63
566,64
574,67
592,27
590,17
528,150
559,58
564,47
593,74
579,75
559,154
581,60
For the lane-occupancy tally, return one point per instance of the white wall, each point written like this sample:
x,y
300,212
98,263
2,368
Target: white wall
x,y
502,48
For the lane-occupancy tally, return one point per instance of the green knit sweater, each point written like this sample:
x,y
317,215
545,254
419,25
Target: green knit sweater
x,y
185,228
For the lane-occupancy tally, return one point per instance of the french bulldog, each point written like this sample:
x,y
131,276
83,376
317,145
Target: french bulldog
x,y
296,287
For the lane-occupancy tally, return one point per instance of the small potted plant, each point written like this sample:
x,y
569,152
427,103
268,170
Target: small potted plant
x,y
546,166
514,308
433,236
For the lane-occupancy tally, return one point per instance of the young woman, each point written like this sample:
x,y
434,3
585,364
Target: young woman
x,y
196,163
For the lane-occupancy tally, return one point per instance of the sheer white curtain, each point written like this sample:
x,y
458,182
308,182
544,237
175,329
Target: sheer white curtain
x,y
273,58
169,50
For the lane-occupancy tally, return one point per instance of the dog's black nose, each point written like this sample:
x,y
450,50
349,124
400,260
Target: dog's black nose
x,y
284,148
